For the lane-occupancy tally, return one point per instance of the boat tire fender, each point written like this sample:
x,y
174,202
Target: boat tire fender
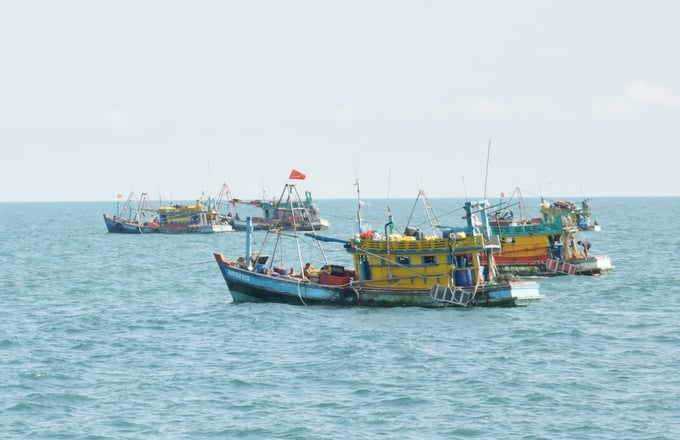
x,y
350,296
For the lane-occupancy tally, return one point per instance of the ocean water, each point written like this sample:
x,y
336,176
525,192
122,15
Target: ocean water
x,y
106,336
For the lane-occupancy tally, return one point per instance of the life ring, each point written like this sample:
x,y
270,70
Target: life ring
x,y
349,296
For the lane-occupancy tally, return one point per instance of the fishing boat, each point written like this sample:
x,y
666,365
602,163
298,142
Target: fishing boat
x,y
203,217
538,247
283,213
580,214
409,269
136,216
192,218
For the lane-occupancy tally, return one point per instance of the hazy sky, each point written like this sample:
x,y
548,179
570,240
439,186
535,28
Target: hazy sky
x,y
578,98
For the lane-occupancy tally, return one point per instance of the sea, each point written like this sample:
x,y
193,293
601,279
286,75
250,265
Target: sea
x,y
111,336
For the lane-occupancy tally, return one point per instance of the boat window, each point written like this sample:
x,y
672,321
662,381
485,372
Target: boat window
x,y
429,260
404,260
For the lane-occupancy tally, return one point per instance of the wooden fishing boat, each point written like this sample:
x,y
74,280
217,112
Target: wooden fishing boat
x,y
136,216
200,217
192,218
391,270
538,247
283,213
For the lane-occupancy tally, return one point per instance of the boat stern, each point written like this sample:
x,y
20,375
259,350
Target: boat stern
x,y
514,293
597,265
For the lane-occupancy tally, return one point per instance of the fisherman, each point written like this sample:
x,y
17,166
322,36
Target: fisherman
x,y
307,271
586,246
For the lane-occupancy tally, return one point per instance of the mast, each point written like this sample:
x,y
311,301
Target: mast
x,y
249,238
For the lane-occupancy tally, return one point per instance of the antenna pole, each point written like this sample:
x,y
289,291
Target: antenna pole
x,y
356,182
486,177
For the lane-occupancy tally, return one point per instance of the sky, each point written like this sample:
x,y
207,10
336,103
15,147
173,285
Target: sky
x,y
455,98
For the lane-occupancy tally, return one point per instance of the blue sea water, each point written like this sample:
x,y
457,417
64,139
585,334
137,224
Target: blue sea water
x,y
107,336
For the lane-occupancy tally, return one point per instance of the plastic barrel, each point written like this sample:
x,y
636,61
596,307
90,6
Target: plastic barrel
x,y
463,277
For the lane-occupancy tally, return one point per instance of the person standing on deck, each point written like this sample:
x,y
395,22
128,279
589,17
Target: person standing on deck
x,y
586,246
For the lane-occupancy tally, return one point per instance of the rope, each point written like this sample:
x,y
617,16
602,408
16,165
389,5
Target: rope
x,y
300,293
474,294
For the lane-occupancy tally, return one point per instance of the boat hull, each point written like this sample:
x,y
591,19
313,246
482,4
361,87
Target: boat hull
x,y
181,228
506,295
532,267
122,226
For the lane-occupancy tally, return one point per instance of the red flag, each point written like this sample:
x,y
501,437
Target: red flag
x,y
295,174
119,195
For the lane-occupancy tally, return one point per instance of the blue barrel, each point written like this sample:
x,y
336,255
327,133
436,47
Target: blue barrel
x,y
463,277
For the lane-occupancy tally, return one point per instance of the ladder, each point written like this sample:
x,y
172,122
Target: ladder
x,y
560,267
454,296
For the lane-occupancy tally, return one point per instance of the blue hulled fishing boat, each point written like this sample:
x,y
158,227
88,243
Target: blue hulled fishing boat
x,y
136,217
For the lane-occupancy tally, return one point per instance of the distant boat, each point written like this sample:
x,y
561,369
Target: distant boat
x,y
288,214
200,217
192,218
390,270
136,217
